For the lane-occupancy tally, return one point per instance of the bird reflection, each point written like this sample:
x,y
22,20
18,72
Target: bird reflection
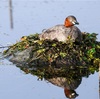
x,y
68,78
68,84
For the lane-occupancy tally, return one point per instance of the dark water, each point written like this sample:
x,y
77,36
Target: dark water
x,y
31,16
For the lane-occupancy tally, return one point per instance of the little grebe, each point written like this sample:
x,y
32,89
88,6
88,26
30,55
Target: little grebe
x,y
62,32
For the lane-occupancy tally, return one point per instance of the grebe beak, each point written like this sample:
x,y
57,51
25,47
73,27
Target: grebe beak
x,y
75,23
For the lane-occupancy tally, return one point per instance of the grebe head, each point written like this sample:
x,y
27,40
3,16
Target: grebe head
x,y
70,93
70,21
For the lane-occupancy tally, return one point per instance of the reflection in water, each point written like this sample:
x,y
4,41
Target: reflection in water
x,y
69,85
67,78
11,13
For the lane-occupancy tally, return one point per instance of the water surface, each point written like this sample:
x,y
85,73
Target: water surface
x,y
32,16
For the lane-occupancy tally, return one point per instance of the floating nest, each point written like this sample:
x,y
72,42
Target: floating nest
x,y
32,51
60,63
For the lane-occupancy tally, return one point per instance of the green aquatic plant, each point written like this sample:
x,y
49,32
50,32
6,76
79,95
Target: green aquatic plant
x,y
68,53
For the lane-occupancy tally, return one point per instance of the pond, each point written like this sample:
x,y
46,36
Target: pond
x,y
32,16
